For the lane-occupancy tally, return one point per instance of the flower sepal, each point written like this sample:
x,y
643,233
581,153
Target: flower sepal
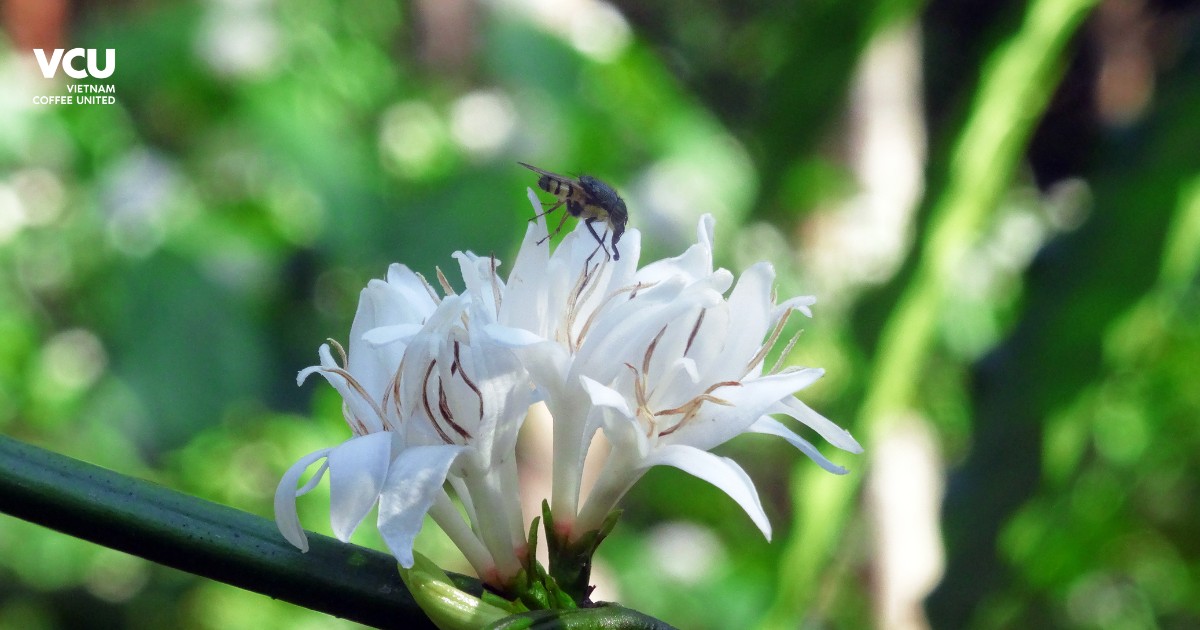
x,y
571,560
536,590
533,586
449,607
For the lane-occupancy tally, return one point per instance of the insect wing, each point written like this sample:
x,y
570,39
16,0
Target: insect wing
x,y
562,179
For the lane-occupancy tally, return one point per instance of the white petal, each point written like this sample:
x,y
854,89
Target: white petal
x,y
704,230
413,482
303,375
677,384
362,408
539,229
314,480
709,342
378,305
511,337
611,409
476,272
285,500
721,472
327,362
505,388
407,297
402,298
603,396
357,470
546,361
693,264
717,424
800,303
825,427
448,312
623,335
749,314
528,282
769,426
719,281
383,335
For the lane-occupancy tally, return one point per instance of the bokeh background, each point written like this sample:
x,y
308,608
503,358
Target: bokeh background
x,y
168,263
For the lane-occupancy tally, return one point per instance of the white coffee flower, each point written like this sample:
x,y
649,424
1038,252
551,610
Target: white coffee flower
x,y
427,403
668,360
660,359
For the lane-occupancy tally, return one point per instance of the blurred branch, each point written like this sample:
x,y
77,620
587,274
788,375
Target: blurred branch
x,y
1016,84
1079,285
201,537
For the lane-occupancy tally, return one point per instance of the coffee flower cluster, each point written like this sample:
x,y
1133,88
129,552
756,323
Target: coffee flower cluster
x,y
668,360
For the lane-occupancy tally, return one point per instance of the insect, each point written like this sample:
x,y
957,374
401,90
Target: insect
x,y
587,198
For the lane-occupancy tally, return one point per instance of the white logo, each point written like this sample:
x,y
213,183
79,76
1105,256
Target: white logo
x,y
66,59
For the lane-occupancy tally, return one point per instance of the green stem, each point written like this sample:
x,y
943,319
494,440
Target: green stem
x,y
1017,82
201,537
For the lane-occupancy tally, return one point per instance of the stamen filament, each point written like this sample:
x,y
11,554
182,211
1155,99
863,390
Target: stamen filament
x,y
429,287
769,343
445,283
428,409
466,379
695,329
786,351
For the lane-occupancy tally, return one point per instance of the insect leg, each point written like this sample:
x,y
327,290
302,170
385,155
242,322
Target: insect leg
x,y
595,251
557,229
591,229
588,262
544,213
616,254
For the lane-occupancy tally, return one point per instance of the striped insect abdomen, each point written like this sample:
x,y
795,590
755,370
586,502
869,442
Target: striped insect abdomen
x,y
555,187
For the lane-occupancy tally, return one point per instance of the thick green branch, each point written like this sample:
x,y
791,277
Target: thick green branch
x,y
201,537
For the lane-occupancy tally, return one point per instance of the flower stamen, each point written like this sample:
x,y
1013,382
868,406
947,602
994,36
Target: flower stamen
x,y
692,407
393,394
572,310
687,407
445,283
340,350
428,408
769,343
639,386
447,414
429,287
786,351
650,349
643,403
466,379
582,291
359,427
695,329
632,289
